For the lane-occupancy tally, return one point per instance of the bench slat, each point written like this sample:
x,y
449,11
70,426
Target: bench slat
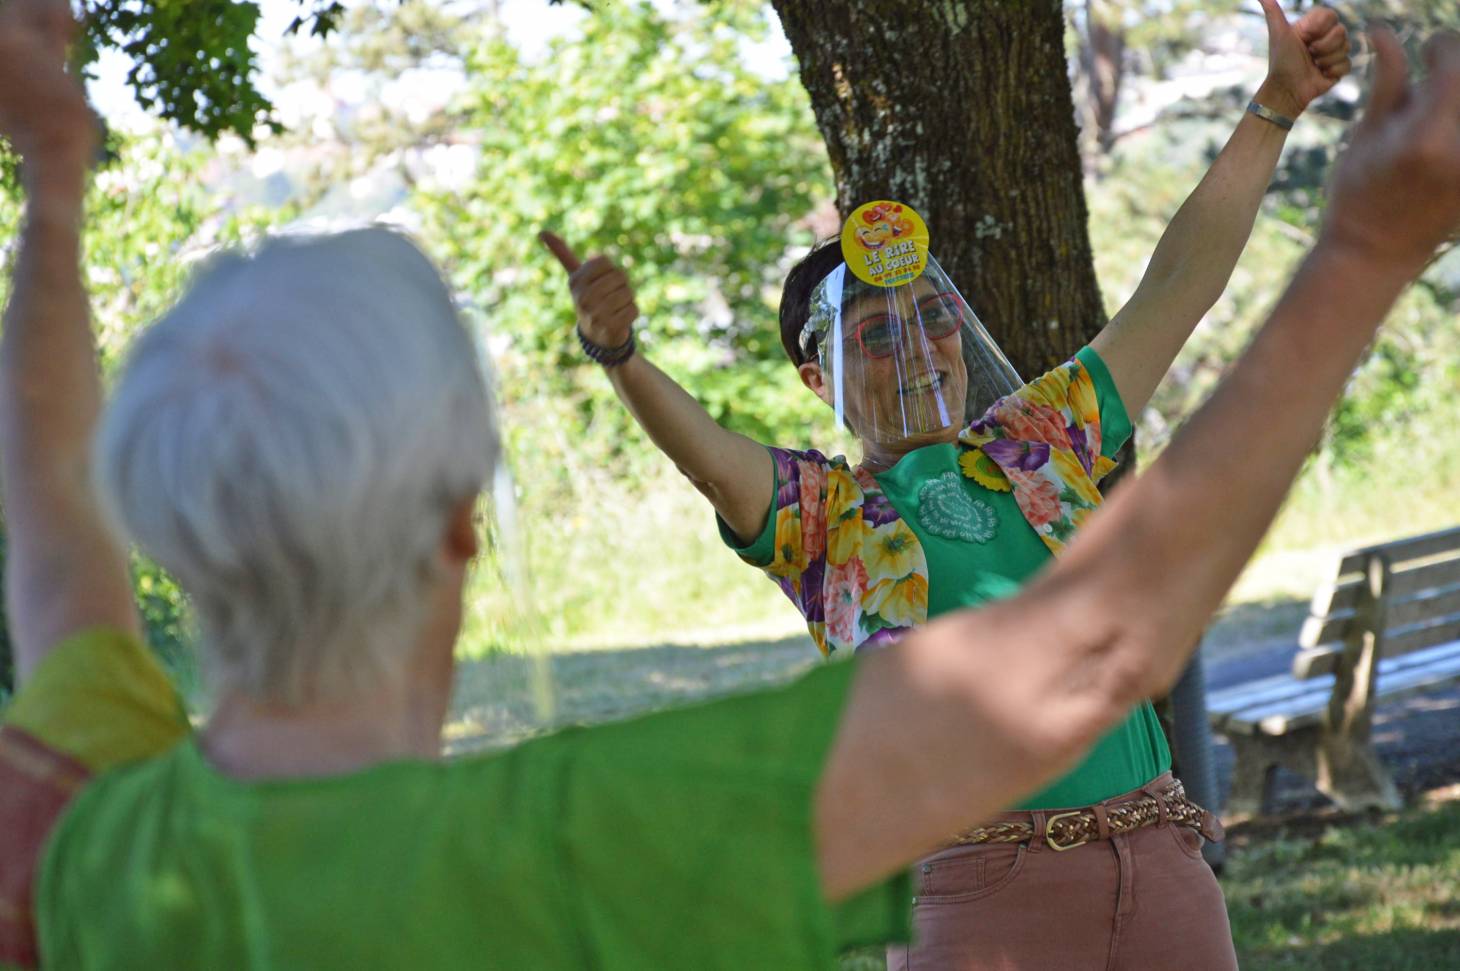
x,y
1401,662
1435,602
1405,609
1311,662
1277,687
1260,692
1405,683
1401,551
1334,605
1283,712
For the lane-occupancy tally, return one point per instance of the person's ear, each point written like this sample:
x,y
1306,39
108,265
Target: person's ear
x,y
460,544
815,378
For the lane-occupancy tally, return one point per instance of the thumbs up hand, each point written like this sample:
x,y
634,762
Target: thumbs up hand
x,y
1395,192
601,294
1305,59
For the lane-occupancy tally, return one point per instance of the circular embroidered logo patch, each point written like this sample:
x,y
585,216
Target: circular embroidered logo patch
x,y
885,243
946,509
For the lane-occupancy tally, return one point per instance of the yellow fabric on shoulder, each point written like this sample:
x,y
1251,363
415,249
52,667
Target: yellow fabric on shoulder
x,y
101,698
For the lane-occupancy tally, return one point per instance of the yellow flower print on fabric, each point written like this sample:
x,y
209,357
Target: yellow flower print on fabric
x,y
818,636
1051,390
892,551
790,555
844,529
900,603
844,540
984,470
1069,469
841,489
1104,465
975,438
1083,401
828,556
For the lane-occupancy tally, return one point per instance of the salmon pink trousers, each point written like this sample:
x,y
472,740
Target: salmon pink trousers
x,y
1144,900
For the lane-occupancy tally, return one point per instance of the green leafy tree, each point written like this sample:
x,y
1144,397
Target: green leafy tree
x,y
647,137
193,62
150,221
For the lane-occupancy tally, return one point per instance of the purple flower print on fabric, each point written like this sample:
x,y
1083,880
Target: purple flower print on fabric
x,y
1013,454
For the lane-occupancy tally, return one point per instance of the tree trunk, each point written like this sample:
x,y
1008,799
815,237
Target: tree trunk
x,y
963,109
1104,56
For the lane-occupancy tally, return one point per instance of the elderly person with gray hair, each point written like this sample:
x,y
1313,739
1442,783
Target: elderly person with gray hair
x,y
301,441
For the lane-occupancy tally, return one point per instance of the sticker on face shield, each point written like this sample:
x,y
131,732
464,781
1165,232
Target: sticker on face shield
x,y
885,244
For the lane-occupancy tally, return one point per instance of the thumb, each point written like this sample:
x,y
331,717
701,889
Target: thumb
x,y
1442,57
560,249
1390,74
1277,21
51,20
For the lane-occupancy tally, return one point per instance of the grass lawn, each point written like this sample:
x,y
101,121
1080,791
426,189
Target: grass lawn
x,y
1377,894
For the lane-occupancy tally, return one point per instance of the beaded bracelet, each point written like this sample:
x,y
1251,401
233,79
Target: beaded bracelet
x,y
607,356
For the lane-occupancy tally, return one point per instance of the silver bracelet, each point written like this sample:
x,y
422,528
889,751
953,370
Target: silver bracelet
x,y
1267,114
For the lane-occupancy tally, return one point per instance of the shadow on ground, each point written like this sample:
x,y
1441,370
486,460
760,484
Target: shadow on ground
x,y
495,697
1416,738
494,703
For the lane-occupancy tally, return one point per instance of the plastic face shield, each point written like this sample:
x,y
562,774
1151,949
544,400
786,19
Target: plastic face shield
x,y
905,362
506,687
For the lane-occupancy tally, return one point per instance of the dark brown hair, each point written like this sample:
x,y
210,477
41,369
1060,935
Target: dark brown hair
x,y
814,267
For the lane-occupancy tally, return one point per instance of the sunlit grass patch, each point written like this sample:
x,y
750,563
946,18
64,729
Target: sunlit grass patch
x,y
1389,496
1379,895
615,564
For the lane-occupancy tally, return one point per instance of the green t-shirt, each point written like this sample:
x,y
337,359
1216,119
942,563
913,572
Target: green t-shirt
x,y
678,840
966,573
98,700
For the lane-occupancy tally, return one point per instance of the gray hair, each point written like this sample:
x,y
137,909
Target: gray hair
x,y
288,441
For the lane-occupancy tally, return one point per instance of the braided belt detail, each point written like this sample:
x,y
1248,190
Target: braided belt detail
x,y
1067,830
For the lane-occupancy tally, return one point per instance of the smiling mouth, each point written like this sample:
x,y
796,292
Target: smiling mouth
x,y
931,382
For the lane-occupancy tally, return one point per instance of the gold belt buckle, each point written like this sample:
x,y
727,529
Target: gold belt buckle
x,y
1049,832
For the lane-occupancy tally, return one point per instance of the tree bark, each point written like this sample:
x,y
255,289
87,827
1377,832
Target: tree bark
x,y
963,110
1104,56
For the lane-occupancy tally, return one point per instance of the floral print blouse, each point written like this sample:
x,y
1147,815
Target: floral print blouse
x,y
857,572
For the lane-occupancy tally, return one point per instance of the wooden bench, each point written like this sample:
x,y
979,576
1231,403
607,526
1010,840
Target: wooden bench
x,y
1388,625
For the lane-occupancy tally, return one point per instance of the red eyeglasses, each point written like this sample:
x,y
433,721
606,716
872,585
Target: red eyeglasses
x,y
941,315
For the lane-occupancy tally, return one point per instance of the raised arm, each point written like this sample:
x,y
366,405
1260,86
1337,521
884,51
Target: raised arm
x,y
1197,253
979,708
734,472
64,569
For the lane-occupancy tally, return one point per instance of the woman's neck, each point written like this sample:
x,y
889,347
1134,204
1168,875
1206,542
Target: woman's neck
x,y
249,739
881,456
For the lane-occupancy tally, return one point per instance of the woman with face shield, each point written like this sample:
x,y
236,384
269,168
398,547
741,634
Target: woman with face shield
x,y
969,481
899,354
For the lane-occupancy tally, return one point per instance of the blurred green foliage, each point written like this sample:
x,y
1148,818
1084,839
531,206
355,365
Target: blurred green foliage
x,y
151,219
649,139
194,62
1414,366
